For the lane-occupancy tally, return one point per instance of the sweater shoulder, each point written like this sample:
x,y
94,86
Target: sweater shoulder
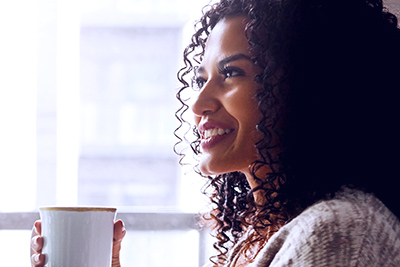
x,y
347,208
343,231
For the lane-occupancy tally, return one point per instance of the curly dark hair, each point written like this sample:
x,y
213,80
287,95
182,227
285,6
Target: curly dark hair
x,y
332,113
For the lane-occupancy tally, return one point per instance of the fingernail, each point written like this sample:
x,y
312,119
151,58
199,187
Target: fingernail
x,y
37,257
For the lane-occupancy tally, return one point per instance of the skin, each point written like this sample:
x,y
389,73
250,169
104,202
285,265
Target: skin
x,y
38,259
225,99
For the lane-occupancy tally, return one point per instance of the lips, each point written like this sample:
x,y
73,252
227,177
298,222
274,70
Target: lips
x,y
213,133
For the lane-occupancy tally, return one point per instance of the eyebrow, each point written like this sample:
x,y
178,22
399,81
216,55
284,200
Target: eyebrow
x,y
227,60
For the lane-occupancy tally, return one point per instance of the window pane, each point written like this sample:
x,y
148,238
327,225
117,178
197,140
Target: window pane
x,y
127,96
130,52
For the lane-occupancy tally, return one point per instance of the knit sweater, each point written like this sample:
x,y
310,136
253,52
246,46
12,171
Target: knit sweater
x,y
352,229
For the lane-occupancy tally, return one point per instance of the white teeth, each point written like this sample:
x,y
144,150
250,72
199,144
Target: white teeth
x,y
214,132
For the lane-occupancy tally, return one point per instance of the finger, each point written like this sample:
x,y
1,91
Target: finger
x,y
37,244
119,231
38,227
37,260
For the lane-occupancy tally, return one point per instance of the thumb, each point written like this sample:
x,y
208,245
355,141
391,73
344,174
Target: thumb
x,y
119,233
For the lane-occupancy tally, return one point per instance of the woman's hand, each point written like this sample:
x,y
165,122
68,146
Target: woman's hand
x,y
119,233
38,259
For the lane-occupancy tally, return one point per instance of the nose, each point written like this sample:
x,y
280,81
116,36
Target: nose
x,y
206,101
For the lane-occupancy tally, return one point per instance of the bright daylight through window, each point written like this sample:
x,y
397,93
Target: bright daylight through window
x,y
87,106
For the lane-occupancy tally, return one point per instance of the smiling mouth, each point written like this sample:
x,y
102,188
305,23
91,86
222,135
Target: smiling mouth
x,y
215,132
210,133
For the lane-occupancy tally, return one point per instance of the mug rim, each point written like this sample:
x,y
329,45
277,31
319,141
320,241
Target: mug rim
x,y
77,208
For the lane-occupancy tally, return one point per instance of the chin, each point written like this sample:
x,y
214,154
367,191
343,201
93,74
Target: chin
x,y
207,171
212,169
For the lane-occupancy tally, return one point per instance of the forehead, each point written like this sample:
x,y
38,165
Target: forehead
x,y
226,39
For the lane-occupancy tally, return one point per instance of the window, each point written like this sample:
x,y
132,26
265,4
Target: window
x,y
87,104
127,100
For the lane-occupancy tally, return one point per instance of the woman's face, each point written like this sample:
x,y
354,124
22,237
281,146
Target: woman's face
x,y
225,109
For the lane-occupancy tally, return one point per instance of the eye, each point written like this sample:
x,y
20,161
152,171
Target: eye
x,y
230,72
198,83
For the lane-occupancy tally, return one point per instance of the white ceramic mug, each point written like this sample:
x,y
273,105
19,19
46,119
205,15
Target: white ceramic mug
x,y
77,236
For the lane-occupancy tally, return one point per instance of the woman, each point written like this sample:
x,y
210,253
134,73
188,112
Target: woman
x,y
295,130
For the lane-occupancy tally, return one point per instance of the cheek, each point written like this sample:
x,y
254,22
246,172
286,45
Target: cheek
x,y
242,104
249,116
248,119
248,135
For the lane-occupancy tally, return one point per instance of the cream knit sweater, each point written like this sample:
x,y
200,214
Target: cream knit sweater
x,y
353,229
